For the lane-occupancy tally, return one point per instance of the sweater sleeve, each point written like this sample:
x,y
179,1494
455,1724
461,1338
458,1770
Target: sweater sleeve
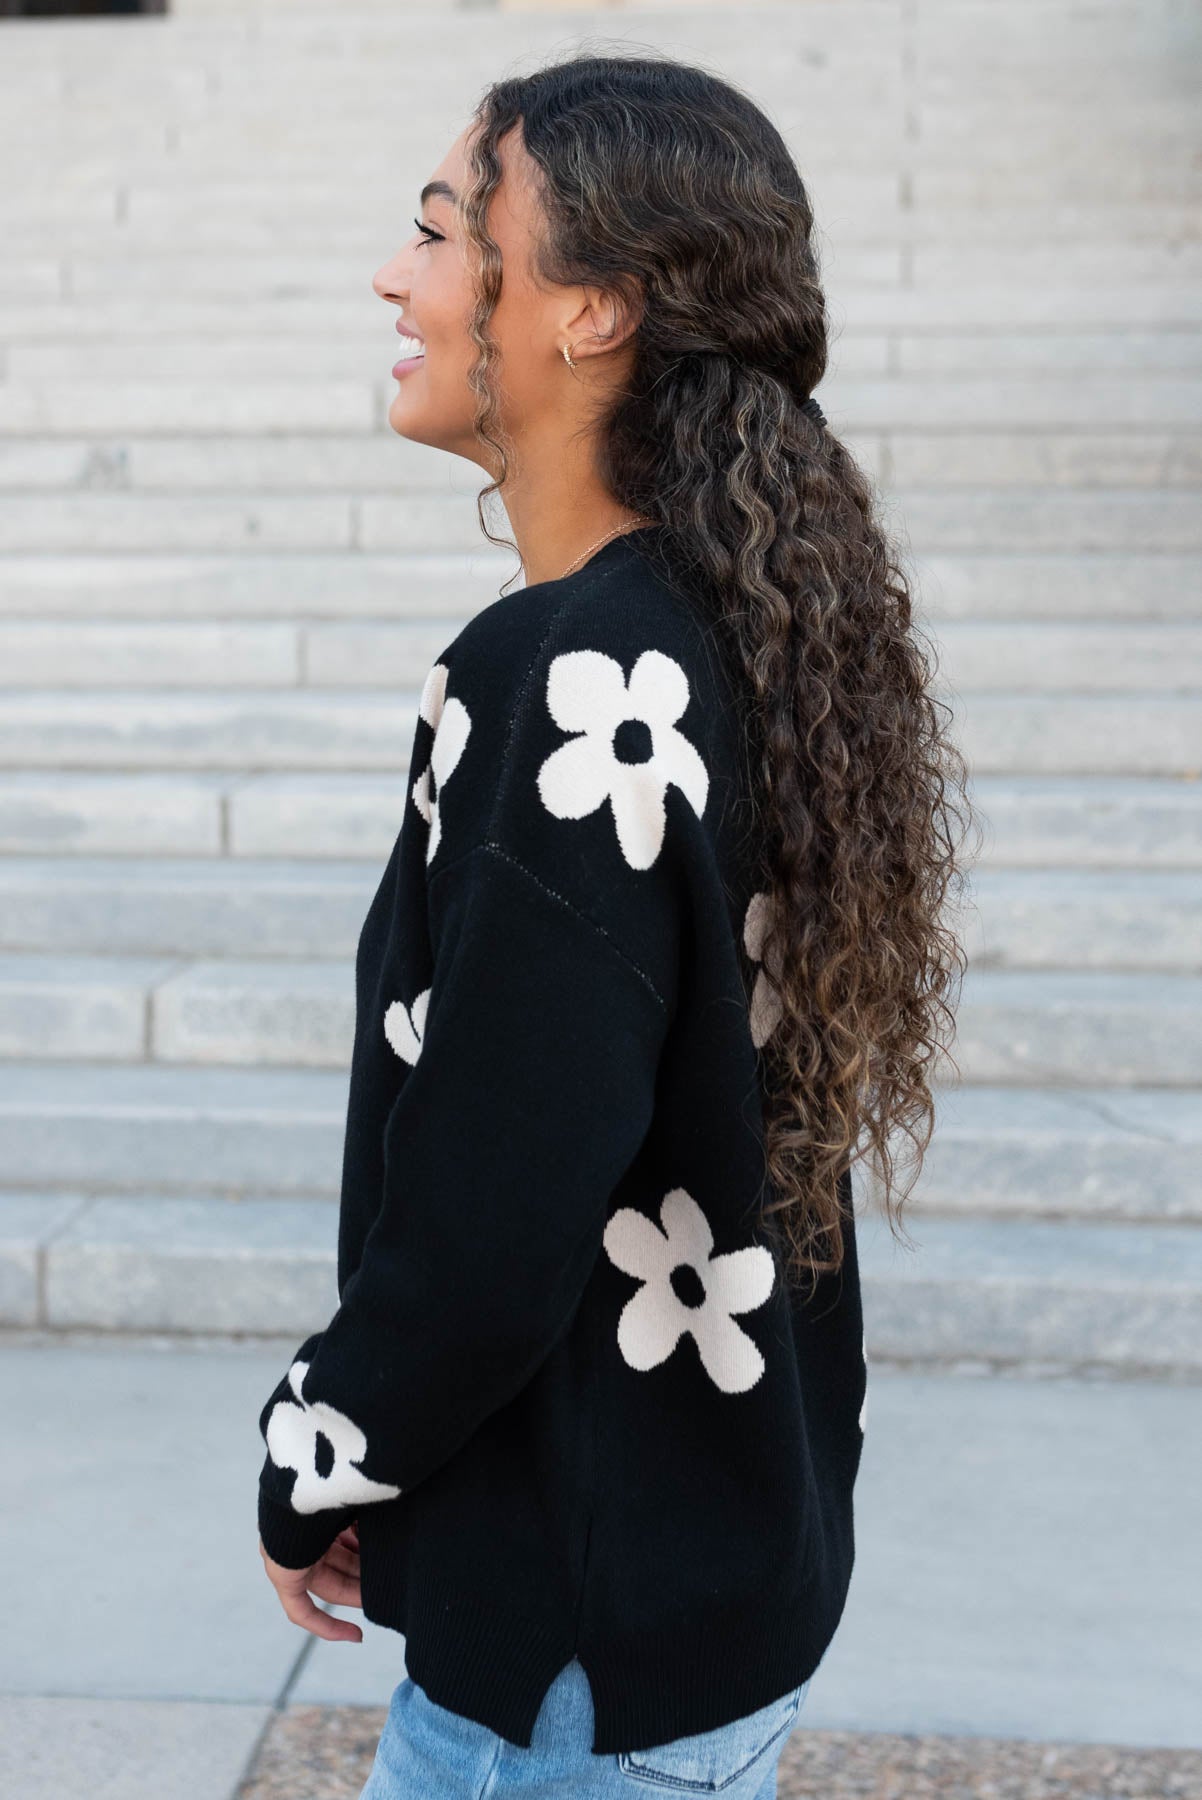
x,y
556,936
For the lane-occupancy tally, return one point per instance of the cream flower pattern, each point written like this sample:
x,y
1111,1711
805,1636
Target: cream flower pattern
x,y
404,1026
711,1290
628,748
323,1446
766,1006
451,724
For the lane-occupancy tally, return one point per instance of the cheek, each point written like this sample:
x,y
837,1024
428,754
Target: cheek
x,y
449,357
522,368
450,347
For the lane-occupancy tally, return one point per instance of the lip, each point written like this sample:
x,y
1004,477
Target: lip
x,y
405,330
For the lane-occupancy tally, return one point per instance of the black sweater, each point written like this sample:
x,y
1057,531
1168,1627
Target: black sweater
x,y
567,1393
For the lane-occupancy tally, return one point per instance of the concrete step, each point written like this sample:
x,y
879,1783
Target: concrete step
x,y
149,653
154,1264
331,248
1089,821
1090,353
246,906
1086,586
263,522
99,224
238,1010
208,140
1075,1152
1137,457
275,653
122,814
72,344
1070,733
1110,1296
856,401
977,656
124,207
1084,656
1029,822
355,317
1011,519
181,728
78,1006
873,296
1055,1027
131,1008
254,406
337,584
1125,733
51,812
360,346
1134,305
1058,918
1035,518
1116,1296
1062,1027
158,1128
97,265
1145,456
289,462
186,906
974,584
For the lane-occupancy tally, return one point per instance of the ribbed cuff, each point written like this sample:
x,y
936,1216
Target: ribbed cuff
x,y
298,1540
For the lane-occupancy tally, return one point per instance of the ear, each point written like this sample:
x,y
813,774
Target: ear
x,y
604,320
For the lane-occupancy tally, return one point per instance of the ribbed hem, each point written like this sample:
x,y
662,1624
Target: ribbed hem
x,y
495,1667
298,1540
696,1677
485,1665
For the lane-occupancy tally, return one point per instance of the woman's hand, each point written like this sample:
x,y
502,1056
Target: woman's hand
x,y
335,1577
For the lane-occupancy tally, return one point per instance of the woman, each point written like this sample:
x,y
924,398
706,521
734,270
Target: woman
x,y
657,953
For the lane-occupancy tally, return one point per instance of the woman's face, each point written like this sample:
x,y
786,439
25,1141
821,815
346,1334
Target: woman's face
x,y
429,280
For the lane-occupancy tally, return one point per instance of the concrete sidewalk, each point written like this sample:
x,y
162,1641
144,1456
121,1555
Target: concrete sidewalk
x,y
1028,1568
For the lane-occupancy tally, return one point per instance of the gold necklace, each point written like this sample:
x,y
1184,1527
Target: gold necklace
x,y
629,526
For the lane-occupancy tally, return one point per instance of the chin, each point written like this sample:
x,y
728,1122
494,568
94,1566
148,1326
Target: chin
x,y
411,429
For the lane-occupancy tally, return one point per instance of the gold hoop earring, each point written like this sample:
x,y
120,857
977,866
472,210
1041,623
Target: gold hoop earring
x,y
567,356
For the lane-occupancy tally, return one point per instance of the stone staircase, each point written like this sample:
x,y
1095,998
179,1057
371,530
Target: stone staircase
x,y
223,578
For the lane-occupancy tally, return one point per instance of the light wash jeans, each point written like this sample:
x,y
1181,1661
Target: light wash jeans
x,y
427,1751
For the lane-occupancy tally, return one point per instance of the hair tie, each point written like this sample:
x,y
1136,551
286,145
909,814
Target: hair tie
x,y
812,407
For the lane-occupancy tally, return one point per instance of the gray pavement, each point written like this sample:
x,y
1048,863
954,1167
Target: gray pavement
x,y
1028,1566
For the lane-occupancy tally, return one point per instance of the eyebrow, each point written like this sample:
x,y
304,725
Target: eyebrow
x,y
442,189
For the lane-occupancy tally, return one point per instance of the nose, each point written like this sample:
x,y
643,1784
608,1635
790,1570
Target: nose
x,y
386,282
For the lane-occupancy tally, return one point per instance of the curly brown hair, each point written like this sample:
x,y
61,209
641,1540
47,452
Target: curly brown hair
x,y
670,188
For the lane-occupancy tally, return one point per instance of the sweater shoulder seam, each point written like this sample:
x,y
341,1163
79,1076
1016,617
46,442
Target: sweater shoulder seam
x,y
493,848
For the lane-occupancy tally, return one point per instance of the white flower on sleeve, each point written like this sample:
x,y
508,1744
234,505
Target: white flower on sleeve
x,y
404,1026
628,749
451,724
767,1008
712,1289
323,1446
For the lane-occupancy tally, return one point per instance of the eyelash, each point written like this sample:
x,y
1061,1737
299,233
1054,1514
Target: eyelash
x,y
432,237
